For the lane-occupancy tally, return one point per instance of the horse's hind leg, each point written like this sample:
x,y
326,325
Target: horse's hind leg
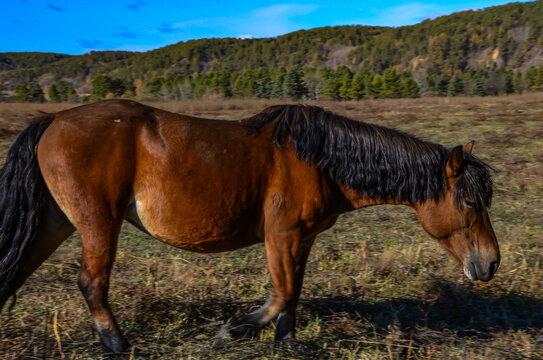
x,y
99,244
89,168
98,216
287,256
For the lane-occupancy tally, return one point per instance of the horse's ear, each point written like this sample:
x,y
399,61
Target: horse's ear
x,y
454,162
469,146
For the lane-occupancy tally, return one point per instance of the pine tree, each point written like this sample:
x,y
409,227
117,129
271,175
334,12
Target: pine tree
x,y
36,93
534,78
345,88
264,84
443,85
237,87
332,86
54,96
224,84
509,88
278,77
100,87
22,94
534,30
376,88
479,87
409,88
358,86
517,82
277,87
431,84
153,87
294,87
118,87
103,85
391,84
456,85
65,90
312,82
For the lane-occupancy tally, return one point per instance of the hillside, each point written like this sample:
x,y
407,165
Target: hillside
x,y
509,37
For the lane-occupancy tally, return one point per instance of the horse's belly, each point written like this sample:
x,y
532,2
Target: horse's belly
x,y
201,230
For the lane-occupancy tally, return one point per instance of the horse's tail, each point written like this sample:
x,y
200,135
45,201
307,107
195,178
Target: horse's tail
x,y
23,193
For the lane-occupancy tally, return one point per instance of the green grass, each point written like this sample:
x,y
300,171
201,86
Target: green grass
x,y
376,287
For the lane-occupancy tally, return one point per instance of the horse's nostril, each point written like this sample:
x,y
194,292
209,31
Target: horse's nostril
x,y
494,266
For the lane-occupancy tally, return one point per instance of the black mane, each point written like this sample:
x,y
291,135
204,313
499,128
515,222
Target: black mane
x,y
376,161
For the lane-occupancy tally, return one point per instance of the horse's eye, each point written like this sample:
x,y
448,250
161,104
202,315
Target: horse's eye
x,y
470,204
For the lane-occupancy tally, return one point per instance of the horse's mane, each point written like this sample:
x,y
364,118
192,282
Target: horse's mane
x,y
376,161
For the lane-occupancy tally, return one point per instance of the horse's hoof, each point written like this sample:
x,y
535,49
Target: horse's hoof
x,y
285,337
231,331
222,337
114,345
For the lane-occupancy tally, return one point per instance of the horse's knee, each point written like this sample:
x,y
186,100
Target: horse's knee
x,y
90,287
84,283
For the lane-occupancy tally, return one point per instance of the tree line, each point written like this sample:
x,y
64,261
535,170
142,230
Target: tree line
x,y
294,83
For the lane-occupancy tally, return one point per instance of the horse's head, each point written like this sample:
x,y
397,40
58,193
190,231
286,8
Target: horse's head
x,y
459,219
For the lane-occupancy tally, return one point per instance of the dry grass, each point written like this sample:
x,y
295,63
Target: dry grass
x,y
377,286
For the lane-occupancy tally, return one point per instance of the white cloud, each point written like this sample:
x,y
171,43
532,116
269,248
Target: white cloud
x,y
245,36
284,10
262,22
406,14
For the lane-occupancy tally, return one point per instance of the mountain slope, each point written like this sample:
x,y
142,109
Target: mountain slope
x,y
508,36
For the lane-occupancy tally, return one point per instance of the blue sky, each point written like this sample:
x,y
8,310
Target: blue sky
x,y
76,27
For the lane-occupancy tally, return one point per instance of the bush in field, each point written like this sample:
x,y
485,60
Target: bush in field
x,y
103,85
31,93
62,91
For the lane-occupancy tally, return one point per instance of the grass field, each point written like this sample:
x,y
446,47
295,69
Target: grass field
x,y
376,287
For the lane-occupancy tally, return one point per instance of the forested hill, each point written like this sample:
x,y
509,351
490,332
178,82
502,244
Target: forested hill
x,y
508,37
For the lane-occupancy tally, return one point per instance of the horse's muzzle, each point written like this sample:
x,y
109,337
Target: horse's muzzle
x,y
476,268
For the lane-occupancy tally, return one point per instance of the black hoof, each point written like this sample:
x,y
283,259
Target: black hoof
x,y
235,330
290,336
114,344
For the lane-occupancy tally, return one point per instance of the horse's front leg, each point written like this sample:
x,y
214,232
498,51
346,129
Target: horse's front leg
x,y
287,255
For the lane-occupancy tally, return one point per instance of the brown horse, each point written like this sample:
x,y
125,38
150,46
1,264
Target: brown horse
x,y
280,177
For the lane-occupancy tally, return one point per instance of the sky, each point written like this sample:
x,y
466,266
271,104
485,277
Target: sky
x,y
77,27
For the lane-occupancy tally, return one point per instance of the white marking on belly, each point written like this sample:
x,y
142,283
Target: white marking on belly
x,y
133,214
468,273
140,213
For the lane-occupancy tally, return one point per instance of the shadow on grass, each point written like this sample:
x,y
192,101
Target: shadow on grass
x,y
448,306
449,313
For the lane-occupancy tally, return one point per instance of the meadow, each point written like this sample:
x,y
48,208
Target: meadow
x,y
376,286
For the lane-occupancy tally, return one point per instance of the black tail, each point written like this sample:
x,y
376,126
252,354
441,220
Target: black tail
x,y
22,194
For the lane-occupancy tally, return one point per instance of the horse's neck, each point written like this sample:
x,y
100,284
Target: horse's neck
x,y
358,201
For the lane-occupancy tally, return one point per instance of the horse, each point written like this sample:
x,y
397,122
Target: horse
x,y
280,178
